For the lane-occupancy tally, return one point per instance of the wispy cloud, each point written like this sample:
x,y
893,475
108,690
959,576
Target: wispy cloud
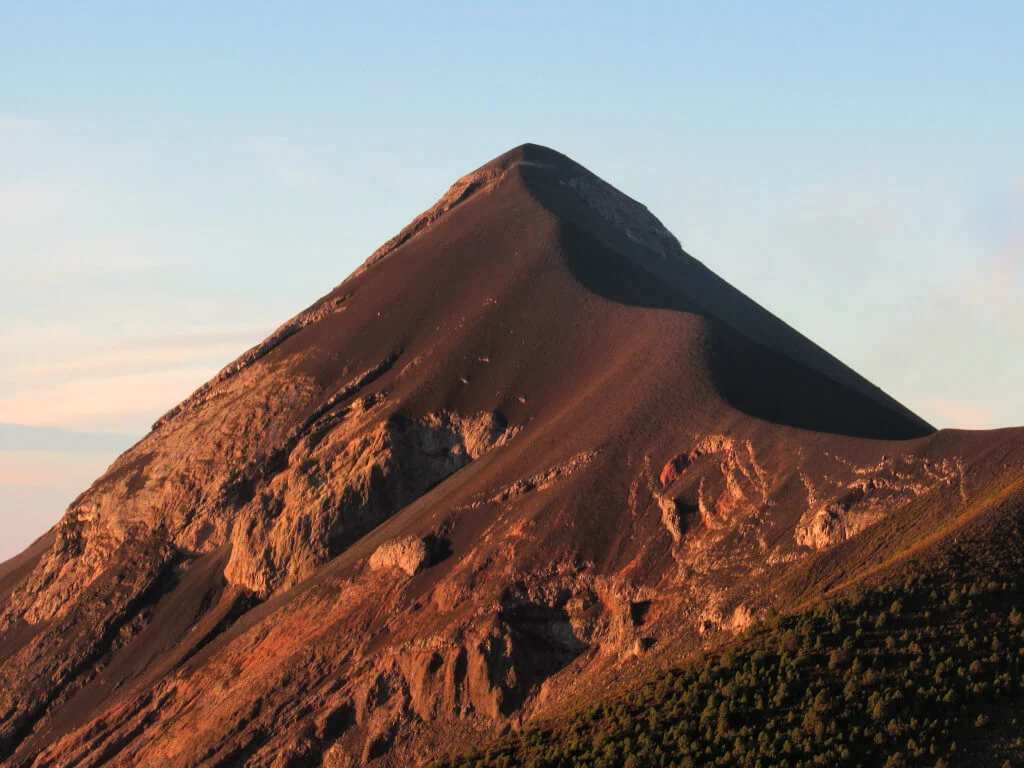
x,y
134,355
94,335
49,232
18,438
949,414
26,202
78,257
124,403
66,376
32,468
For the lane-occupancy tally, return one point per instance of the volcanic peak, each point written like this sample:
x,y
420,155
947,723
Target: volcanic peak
x,y
547,167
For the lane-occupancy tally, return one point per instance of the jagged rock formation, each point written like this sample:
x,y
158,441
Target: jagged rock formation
x,y
529,448
838,510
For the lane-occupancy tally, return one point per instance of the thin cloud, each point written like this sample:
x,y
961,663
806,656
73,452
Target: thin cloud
x,y
18,438
127,403
45,468
124,363
949,414
39,356
31,336
31,201
127,358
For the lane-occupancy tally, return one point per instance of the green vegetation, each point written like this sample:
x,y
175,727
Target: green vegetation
x,y
919,674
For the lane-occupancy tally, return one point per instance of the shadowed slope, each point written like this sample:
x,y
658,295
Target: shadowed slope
x,y
628,229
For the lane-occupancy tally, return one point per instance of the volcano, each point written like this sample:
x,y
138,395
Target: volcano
x,y
529,451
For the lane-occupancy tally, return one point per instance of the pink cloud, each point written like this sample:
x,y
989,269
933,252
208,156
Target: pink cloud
x,y
953,415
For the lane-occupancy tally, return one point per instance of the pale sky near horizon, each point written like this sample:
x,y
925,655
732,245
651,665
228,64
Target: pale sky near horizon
x,y
178,179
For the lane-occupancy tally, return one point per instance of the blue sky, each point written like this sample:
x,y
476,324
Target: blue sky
x,y
177,179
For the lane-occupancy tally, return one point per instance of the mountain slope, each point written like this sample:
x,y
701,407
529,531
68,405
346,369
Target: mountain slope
x,y
919,661
529,447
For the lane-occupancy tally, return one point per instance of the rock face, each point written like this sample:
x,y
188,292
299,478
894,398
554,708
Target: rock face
x,y
839,509
529,448
341,479
407,554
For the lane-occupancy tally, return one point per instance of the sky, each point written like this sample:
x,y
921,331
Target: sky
x,y
177,179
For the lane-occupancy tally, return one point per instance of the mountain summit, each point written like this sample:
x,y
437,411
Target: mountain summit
x,y
528,448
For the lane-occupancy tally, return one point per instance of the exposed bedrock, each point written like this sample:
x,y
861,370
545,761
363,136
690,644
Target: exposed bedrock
x,y
838,509
339,485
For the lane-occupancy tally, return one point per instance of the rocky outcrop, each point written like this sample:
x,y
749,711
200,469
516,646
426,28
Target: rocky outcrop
x,y
742,487
408,554
538,481
339,484
673,469
671,517
838,510
719,480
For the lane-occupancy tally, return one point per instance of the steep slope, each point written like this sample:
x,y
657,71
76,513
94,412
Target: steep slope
x,y
529,447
